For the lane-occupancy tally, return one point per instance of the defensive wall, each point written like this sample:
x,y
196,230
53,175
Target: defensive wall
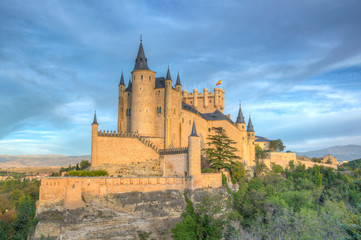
x,y
205,102
68,192
283,159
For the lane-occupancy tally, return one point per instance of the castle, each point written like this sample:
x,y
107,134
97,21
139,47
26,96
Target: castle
x,y
161,114
158,142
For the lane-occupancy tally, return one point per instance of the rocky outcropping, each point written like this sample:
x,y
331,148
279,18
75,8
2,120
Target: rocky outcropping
x,y
134,215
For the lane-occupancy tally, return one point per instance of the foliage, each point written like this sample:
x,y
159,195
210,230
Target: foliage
x,y
209,170
200,224
276,146
86,173
222,154
84,164
17,208
260,153
351,165
315,159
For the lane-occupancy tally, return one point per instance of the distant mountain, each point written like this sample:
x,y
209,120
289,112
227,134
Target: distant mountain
x,y
11,161
342,153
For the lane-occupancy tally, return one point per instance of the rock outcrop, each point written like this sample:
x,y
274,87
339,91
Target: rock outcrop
x,y
134,215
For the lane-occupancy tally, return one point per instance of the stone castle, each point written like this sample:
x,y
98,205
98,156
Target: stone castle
x,y
161,115
158,143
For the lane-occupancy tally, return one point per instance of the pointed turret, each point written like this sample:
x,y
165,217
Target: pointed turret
x,y
95,119
129,88
194,130
141,61
178,83
121,80
250,125
240,117
168,77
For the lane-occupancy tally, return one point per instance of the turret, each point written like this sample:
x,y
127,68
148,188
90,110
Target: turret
x,y
194,158
143,112
178,84
217,99
251,138
121,87
205,98
241,124
94,140
195,97
168,111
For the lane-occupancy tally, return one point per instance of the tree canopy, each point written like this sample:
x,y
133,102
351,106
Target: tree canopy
x,y
276,146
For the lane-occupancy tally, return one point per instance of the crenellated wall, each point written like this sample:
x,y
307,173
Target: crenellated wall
x,y
205,102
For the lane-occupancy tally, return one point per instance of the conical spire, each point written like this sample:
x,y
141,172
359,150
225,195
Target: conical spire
x,y
240,117
121,79
141,61
178,81
95,118
129,88
250,125
194,131
168,77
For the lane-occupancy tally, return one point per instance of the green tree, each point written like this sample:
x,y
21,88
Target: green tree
x,y
84,164
276,146
260,153
222,154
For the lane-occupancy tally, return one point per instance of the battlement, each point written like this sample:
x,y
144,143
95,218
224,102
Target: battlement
x,y
205,102
173,151
68,191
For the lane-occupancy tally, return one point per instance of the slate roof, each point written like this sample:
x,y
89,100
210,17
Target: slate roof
x,y
121,80
141,61
250,125
261,139
194,131
160,82
129,88
178,83
95,118
240,117
168,77
216,115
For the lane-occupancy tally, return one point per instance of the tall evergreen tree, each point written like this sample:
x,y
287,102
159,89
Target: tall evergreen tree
x,y
222,154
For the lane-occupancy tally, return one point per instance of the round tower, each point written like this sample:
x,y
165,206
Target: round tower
x,y
94,141
168,111
251,139
121,103
194,158
143,112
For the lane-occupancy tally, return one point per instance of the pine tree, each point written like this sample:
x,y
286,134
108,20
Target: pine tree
x,y
222,154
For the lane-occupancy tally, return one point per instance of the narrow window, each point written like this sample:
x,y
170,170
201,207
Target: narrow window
x,y
150,77
209,130
141,76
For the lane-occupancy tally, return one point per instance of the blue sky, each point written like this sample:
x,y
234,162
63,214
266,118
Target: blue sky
x,y
295,65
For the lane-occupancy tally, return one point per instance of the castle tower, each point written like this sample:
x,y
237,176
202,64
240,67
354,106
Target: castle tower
x,y
218,99
168,111
241,124
205,98
121,87
194,158
251,138
178,85
143,112
94,140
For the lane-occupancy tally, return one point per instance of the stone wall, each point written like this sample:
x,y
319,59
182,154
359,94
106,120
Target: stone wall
x,y
211,180
121,150
176,164
283,159
67,190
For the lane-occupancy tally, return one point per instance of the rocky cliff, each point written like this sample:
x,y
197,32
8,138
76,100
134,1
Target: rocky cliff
x,y
134,215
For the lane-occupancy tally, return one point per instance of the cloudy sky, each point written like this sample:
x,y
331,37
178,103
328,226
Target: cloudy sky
x,y
295,65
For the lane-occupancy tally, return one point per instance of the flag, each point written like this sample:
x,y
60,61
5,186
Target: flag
x,y
219,82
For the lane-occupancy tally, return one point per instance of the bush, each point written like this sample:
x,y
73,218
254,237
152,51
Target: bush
x,y
85,173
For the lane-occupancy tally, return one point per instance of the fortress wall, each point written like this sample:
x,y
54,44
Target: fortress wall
x,y
117,150
213,180
187,119
283,160
176,164
55,190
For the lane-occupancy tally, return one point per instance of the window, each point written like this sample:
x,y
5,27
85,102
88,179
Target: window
x,y
141,76
159,110
242,127
182,120
189,122
209,130
150,77
128,112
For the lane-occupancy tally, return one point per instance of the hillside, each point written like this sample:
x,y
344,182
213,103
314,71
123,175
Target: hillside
x,y
342,153
17,161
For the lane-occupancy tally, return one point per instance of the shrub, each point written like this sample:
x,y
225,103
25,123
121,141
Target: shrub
x,y
85,173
